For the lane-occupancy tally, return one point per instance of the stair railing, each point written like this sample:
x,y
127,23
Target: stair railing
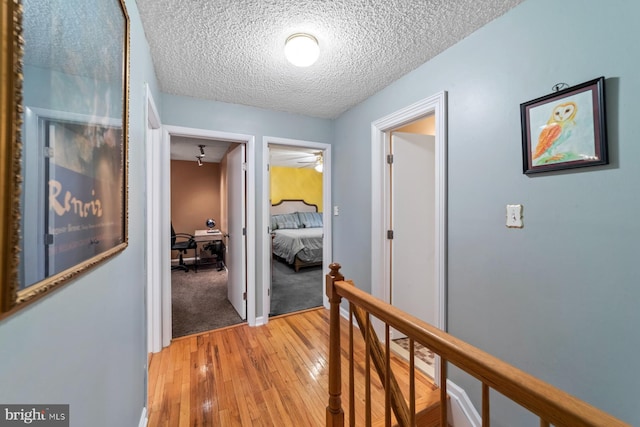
x,y
550,404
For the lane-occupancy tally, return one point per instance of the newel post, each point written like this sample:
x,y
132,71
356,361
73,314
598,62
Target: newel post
x,y
335,414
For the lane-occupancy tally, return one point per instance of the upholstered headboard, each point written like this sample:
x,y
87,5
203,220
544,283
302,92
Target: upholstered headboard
x,y
291,206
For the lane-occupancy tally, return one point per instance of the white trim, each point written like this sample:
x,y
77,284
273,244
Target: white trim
x,y
153,231
164,204
461,411
249,140
143,418
260,320
380,271
265,238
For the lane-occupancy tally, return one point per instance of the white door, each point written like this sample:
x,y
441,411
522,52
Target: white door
x,y
236,255
413,210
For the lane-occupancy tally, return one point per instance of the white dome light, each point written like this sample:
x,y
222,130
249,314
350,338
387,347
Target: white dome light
x,y
301,50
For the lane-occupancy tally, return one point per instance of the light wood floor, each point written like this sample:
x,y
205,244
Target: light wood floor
x,y
272,375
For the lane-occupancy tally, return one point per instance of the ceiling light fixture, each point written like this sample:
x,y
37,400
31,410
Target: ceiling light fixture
x,y
201,150
301,49
199,158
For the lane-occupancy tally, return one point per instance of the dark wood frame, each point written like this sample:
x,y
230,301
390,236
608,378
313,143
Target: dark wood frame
x,y
596,138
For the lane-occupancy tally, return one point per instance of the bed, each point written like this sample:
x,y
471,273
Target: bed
x,y
297,233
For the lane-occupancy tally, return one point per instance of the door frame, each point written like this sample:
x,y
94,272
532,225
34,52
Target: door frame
x,y
160,201
153,241
380,200
265,238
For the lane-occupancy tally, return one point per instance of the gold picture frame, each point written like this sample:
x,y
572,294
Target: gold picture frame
x,y
64,107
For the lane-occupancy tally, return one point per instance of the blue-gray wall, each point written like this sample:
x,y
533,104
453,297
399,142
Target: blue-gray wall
x,y
558,298
219,116
85,344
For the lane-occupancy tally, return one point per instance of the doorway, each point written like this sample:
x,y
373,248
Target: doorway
x,y
309,155
159,196
208,200
391,216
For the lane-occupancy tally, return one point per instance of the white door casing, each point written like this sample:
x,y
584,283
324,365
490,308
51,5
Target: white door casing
x,y
162,203
236,240
413,223
154,232
380,200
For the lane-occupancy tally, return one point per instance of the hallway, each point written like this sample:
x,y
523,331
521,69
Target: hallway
x,y
273,375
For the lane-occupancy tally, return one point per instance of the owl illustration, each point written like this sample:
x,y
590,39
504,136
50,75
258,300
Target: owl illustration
x,y
555,132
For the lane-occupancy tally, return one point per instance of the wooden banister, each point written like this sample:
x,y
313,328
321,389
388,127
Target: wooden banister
x,y
551,404
335,413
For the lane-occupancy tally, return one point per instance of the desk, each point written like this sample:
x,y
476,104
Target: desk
x,y
211,241
207,235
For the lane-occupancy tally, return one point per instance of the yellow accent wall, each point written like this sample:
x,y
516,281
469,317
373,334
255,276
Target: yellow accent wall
x,y
296,183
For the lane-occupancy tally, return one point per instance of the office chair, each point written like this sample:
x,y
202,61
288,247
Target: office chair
x,y
182,242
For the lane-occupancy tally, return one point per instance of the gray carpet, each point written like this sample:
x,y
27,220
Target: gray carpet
x,y
291,291
199,301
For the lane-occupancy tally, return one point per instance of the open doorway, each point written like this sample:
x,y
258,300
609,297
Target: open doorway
x,y
295,182
159,208
409,191
297,249
208,199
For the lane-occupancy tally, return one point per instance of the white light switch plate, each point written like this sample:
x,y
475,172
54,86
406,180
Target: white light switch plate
x,y
514,216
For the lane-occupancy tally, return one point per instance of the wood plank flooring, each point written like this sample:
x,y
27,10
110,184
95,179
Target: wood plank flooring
x,y
271,375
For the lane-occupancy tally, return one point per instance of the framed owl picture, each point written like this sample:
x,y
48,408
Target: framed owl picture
x,y
566,129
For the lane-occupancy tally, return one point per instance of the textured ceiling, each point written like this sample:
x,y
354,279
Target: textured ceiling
x,y
232,50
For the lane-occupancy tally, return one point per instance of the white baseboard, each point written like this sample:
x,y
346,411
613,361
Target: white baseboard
x,y
462,413
260,320
143,418
344,312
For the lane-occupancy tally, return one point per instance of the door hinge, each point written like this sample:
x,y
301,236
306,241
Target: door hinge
x,y
48,152
244,231
390,158
390,234
268,292
268,167
48,239
244,166
244,296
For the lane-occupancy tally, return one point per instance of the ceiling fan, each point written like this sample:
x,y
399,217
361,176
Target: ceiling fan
x,y
317,162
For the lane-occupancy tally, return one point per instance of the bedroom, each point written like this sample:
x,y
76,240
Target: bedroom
x,y
198,192
296,227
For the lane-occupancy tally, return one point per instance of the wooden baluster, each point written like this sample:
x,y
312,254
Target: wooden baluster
x,y
443,392
367,371
412,383
352,377
398,403
486,421
387,378
335,414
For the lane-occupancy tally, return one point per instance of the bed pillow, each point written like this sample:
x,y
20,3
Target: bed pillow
x,y
310,219
274,223
284,221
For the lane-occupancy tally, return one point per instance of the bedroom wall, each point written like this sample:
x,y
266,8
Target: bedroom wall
x,y
85,344
557,298
195,195
296,183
